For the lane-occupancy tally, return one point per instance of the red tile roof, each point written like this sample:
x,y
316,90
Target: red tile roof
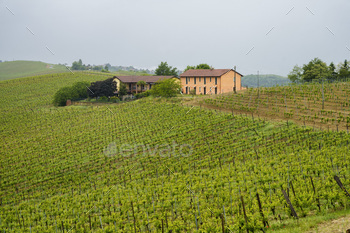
x,y
147,79
206,73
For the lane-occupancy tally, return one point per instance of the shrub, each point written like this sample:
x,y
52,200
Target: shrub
x,y
115,99
143,94
78,90
62,95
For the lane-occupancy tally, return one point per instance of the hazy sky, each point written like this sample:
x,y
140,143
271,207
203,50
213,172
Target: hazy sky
x,y
269,36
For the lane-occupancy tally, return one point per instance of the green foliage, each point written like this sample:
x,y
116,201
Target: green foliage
x,y
203,66
200,66
103,88
296,74
166,88
165,69
62,95
78,90
78,65
122,89
315,69
114,99
332,72
190,68
344,71
81,89
143,94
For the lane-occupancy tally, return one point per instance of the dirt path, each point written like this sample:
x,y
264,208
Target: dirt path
x,y
339,225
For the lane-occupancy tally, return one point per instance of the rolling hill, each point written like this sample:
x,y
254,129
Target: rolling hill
x,y
155,165
18,69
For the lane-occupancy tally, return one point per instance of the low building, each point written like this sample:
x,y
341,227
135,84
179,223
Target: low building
x,y
131,82
210,81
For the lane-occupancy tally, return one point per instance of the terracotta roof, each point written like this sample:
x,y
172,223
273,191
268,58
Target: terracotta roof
x,y
206,73
147,79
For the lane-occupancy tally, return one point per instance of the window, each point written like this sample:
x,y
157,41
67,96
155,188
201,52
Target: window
x,y
210,79
186,80
199,79
194,90
216,81
205,81
194,80
199,89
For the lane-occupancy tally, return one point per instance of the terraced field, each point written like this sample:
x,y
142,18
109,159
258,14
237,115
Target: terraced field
x,y
325,106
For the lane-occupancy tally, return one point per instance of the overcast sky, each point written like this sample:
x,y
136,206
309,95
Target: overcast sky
x,y
269,36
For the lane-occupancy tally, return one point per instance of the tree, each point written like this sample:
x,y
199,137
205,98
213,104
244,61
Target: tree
x,y
344,70
78,65
190,68
122,89
165,69
166,88
81,89
295,74
197,67
315,69
332,73
103,88
203,66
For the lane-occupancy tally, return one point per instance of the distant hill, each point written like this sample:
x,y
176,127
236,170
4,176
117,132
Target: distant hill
x,y
18,69
266,80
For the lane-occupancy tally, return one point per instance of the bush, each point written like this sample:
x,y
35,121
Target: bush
x,y
78,90
62,95
166,88
143,94
103,98
115,99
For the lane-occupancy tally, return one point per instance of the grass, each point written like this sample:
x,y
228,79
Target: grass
x,y
316,223
18,69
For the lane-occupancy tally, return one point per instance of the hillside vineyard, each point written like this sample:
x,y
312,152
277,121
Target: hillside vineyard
x,y
154,165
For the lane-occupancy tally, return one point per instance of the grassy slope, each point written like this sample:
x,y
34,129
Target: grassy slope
x,y
66,172
17,69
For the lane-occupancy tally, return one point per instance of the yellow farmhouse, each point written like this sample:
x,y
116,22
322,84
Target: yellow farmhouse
x,y
210,81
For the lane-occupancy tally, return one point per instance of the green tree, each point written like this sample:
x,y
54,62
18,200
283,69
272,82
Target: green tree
x,y
315,69
122,89
165,69
295,74
166,88
203,66
103,88
332,73
197,67
78,65
81,89
190,68
344,70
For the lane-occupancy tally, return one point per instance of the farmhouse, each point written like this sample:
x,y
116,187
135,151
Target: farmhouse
x,y
210,81
131,82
